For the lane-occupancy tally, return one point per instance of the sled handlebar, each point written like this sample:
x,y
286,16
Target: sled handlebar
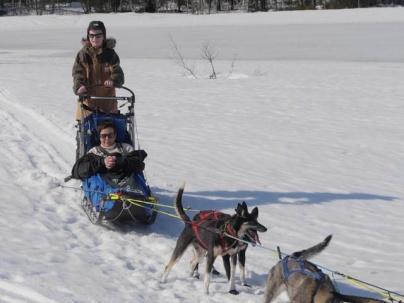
x,y
130,98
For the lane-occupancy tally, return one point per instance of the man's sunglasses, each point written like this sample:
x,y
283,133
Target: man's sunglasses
x,y
91,36
109,135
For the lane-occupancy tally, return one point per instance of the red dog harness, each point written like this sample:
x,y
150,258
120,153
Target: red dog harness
x,y
209,215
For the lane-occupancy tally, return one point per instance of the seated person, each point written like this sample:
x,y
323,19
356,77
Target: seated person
x,y
109,156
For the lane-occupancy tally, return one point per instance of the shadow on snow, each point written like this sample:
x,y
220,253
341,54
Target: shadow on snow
x,y
218,200
229,199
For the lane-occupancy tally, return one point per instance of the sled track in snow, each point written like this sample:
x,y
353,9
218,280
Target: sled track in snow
x,y
13,292
30,131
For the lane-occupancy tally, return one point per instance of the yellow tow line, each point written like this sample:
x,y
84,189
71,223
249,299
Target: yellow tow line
x,y
141,203
385,293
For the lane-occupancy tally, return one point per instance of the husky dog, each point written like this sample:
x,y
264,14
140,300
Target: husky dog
x,y
304,282
210,238
241,256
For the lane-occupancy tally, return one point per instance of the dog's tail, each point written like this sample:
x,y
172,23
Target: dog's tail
x,y
312,251
178,205
356,299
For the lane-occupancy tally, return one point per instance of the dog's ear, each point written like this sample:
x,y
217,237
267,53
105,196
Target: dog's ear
x,y
254,213
238,209
244,209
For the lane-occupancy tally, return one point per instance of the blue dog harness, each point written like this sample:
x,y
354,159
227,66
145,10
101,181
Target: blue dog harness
x,y
316,275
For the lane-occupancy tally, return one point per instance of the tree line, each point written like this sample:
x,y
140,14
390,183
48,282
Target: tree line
x,y
39,7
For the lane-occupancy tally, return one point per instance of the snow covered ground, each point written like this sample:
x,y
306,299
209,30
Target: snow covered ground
x,y
307,126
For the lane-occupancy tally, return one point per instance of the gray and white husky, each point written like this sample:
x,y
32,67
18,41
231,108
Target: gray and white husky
x,y
304,282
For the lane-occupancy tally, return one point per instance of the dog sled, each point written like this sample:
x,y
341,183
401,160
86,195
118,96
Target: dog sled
x,y
113,197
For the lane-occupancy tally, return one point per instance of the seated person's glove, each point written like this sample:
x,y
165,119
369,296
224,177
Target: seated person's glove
x,y
120,161
87,166
132,162
141,154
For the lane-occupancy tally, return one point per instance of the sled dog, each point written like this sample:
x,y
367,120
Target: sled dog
x,y
241,257
304,282
210,238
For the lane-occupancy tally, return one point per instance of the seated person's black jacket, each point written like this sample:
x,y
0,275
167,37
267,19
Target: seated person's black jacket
x,y
91,164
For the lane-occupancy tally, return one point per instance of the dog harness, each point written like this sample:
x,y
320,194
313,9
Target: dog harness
x,y
316,275
208,215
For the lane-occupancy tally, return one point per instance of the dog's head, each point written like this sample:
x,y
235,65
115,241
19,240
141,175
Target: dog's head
x,y
249,225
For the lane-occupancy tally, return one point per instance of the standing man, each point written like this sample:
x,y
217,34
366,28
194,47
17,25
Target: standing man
x,y
97,70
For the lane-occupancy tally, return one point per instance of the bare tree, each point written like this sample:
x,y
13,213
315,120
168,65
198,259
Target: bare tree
x,y
233,63
209,53
180,59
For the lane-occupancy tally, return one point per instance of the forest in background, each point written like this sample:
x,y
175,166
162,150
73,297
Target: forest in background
x,y
40,7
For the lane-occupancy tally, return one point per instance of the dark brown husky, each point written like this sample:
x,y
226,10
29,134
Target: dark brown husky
x,y
210,238
304,281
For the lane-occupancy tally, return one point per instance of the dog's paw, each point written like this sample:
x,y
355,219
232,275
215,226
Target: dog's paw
x,y
215,272
163,278
233,292
246,284
195,275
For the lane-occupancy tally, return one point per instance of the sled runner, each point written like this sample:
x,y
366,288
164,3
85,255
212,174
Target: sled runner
x,y
113,197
